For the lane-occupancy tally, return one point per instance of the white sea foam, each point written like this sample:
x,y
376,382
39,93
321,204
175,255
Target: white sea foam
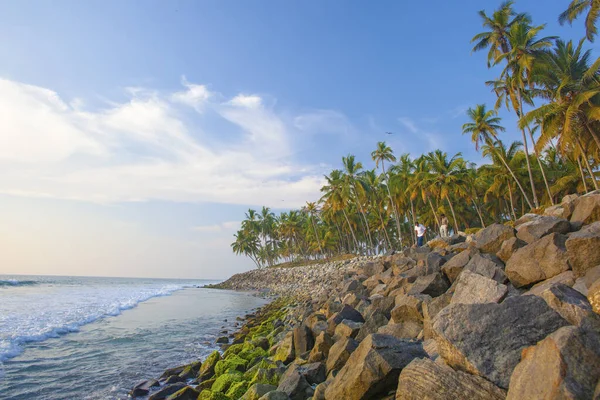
x,y
45,311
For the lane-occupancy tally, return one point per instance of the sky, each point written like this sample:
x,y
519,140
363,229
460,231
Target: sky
x,y
135,134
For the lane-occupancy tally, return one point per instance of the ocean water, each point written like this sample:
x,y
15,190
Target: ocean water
x,y
93,338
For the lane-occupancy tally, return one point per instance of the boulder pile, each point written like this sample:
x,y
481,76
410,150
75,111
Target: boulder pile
x,y
506,313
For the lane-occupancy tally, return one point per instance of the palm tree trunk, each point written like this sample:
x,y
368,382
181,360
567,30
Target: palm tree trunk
x,y
316,236
512,204
537,157
414,218
360,207
351,230
582,175
516,180
385,230
437,222
478,213
587,163
387,181
453,215
525,147
594,135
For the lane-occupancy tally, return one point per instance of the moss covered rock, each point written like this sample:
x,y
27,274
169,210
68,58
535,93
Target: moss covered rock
x,y
224,382
258,390
233,349
210,395
207,384
231,363
207,370
269,376
265,363
237,390
187,393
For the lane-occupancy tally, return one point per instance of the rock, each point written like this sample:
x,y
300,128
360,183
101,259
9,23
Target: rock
x,y
509,247
256,391
531,231
275,395
538,261
582,248
425,379
347,312
339,354
189,371
473,288
143,388
222,340
564,365
430,310
455,265
303,339
432,285
372,323
594,296
485,265
489,239
487,339
321,349
347,328
294,384
172,372
174,379
167,390
207,370
285,352
528,217
383,304
320,391
568,302
567,278
373,369
372,268
434,262
405,330
187,393
587,209
409,308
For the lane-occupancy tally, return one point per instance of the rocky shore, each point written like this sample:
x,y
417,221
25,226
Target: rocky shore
x,y
510,312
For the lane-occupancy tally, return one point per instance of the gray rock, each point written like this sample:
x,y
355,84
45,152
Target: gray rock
x,y
543,225
487,339
567,278
485,265
473,288
489,239
430,310
347,312
143,388
432,285
371,325
275,395
455,265
538,261
587,209
583,249
373,369
347,328
167,390
303,339
569,303
294,384
509,247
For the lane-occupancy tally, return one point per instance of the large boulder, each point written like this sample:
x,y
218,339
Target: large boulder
x,y
372,268
372,323
453,267
509,247
569,303
303,339
426,379
566,278
487,339
347,312
207,370
489,239
538,261
257,390
297,380
543,225
339,354
187,393
473,288
143,388
488,266
430,310
347,328
432,285
320,351
564,365
583,248
167,390
587,209
373,369
285,352
405,330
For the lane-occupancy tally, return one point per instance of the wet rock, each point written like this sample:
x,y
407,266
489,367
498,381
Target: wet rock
x,y
541,226
538,261
339,354
425,379
187,393
373,369
167,390
473,288
489,239
222,340
564,365
172,372
143,388
509,247
487,339
583,249
587,209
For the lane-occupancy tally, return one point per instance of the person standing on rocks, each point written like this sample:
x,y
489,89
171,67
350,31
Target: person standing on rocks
x,y
420,229
444,226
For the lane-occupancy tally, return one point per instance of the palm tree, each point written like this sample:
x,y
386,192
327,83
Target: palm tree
x,y
336,196
578,7
352,170
312,210
484,128
498,24
246,243
380,155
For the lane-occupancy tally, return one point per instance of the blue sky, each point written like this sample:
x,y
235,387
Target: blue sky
x,y
133,135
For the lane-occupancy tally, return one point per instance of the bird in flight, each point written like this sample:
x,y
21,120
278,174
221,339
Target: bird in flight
x,y
390,133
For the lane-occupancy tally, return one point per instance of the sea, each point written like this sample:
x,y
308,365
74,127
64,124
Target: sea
x,y
94,338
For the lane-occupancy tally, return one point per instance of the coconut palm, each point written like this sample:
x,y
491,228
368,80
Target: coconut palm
x,y
352,170
578,7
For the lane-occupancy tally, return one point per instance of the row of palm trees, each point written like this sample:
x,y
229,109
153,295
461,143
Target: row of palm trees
x,y
551,85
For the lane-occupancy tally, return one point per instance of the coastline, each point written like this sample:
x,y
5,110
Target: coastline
x,y
469,316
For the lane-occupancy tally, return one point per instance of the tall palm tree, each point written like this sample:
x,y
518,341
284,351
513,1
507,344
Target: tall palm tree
x,y
484,128
246,243
498,24
352,170
382,154
312,210
578,7
336,194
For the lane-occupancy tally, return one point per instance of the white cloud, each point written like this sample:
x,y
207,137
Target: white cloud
x,y
323,122
142,149
228,226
